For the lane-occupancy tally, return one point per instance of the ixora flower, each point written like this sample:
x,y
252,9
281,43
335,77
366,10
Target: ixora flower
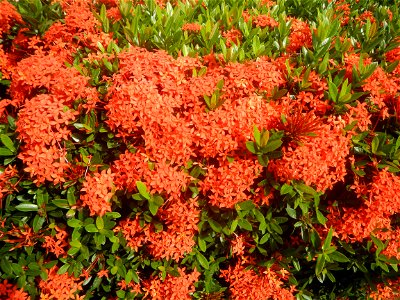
x,y
12,292
97,192
259,284
174,288
60,286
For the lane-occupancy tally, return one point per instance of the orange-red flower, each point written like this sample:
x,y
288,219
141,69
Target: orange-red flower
x,y
59,286
10,291
193,27
97,192
180,219
232,36
320,161
8,16
6,186
248,284
56,244
174,288
300,35
264,21
134,234
230,183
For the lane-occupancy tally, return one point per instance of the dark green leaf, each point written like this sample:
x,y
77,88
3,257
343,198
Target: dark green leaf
x,y
63,269
246,205
37,223
61,203
339,257
320,264
214,225
202,260
27,207
244,224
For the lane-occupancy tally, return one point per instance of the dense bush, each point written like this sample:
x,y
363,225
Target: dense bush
x,y
202,149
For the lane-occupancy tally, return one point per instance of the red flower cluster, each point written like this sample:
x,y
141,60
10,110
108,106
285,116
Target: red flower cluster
x,y
97,192
11,292
256,284
174,288
60,286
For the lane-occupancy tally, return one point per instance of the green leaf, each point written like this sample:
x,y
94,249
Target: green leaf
x,y
75,243
128,277
291,212
37,223
375,145
8,143
250,146
246,205
99,223
153,207
339,257
74,223
113,215
158,200
5,152
320,264
264,239
27,207
276,227
6,266
305,188
61,203
378,244
328,240
202,244
214,225
315,239
63,269
142,189
91,228
244,224
271,146
202,260
286,189
73,251
257,135
264,138
321,218
71,196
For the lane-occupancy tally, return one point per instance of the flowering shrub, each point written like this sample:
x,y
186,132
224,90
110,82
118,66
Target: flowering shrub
x,y
199,149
